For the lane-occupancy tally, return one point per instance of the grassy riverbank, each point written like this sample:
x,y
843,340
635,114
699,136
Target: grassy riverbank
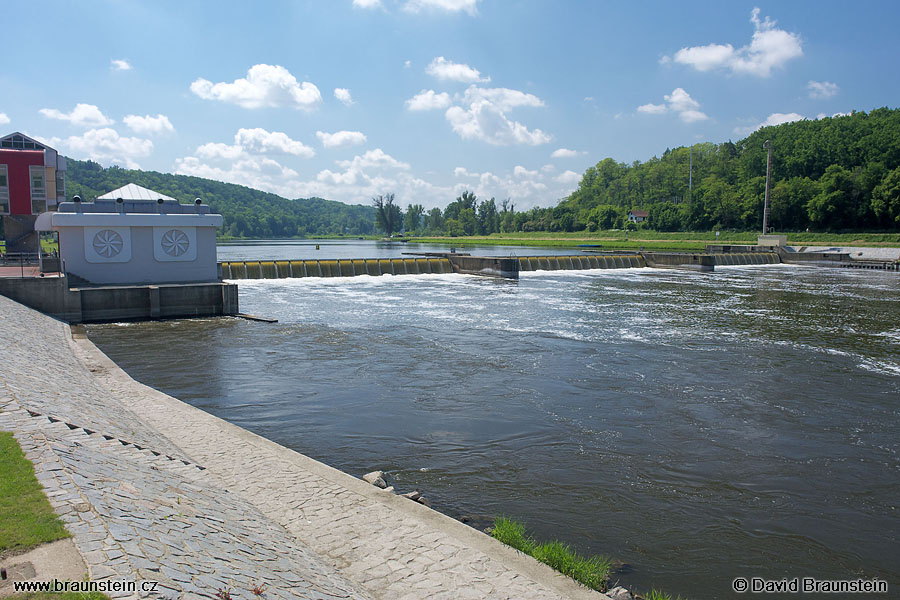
x,y
684,241
592,572
26,517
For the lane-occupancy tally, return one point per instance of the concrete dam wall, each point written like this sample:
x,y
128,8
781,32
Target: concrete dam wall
x,y
283,269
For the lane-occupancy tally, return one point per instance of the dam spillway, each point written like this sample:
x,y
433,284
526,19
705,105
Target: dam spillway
x,y
284,269
745,258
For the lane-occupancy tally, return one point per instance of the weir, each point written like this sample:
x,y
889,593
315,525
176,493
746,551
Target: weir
x,y
490,265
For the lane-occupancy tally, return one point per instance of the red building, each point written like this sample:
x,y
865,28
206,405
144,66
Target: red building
x,y
32,181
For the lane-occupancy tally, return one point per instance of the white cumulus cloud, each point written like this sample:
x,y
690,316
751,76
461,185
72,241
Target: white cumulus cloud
x,y
148,125
83,115
341,139
214,150
373,158
3,119
653,109
265,86
774,119
107,146
259,140
343,94
680,102
447,70
119,65
468,6
487,122
769,48
502,98
428,100
261,173
820,90
480,114
564,153
568,178
367,3
520,171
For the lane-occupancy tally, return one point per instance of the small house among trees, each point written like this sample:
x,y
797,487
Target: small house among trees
x,y
637,216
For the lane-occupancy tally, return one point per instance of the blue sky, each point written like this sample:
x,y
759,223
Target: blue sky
x,y
346,99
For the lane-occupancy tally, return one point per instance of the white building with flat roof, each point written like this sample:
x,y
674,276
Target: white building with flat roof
x,y
133,235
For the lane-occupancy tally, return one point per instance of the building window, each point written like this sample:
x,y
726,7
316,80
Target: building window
x,y
4,190
38,190
60,184
20,142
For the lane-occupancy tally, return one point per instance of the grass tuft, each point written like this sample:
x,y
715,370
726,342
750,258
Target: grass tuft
x,y
592,572
658,595
26,517
512,534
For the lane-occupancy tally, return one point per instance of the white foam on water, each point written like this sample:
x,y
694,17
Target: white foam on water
x,y
880,366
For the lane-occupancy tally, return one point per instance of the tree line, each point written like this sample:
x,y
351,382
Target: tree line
x,y
831,174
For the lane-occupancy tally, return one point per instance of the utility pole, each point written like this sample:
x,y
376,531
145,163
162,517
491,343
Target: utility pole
x,y
691,172
768,146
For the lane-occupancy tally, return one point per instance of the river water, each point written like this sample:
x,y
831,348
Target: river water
x,y
698,427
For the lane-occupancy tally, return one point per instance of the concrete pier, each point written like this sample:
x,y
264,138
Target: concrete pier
x,y
153,489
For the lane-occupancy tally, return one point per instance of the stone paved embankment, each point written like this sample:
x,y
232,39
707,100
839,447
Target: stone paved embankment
x,y
155,490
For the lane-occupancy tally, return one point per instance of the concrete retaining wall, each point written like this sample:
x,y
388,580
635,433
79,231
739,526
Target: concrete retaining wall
x,y
54,297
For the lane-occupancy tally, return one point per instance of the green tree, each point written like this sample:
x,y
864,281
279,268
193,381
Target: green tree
x,y
434,221
602,217
387,214
834,207
488,217
414,213
886,199
466,200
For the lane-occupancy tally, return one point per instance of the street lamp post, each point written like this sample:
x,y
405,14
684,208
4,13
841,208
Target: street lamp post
x,y
768,146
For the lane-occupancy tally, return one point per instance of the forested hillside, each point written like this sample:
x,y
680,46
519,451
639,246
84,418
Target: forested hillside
x,y
840,173
831,174
247,212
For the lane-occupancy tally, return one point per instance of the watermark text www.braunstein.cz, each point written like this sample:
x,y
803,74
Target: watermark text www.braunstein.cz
x,y
808,585
104,586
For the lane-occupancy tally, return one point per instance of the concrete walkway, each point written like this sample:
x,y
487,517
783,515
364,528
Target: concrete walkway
x,y
156,490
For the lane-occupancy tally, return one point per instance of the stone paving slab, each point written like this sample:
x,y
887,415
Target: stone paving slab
x,y
137,516
45,376
235,506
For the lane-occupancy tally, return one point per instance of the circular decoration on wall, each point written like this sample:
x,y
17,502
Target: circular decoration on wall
x,y
108,243
175,242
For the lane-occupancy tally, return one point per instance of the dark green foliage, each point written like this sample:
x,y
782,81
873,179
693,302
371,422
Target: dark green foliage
x,y
247,213
829,174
